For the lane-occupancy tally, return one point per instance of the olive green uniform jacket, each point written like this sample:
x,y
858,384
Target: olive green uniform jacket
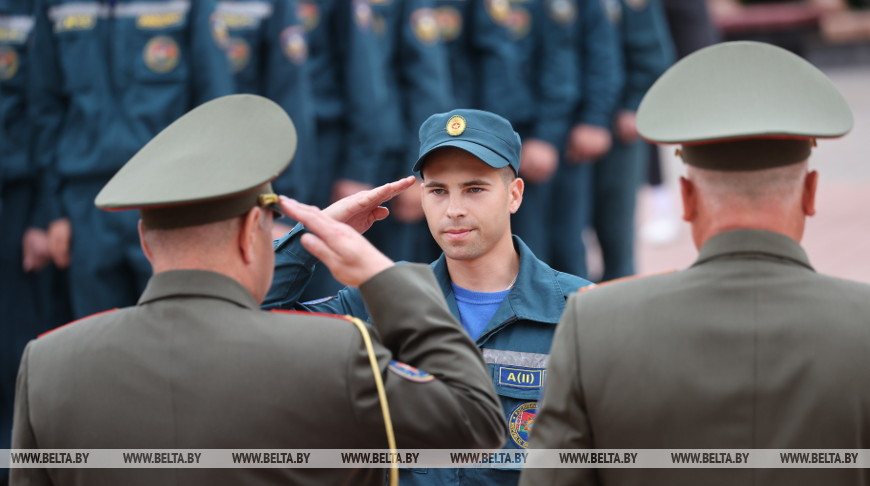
x,y
749,348
197,365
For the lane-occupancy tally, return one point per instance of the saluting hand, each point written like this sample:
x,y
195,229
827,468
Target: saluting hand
x,y
361,210
348,255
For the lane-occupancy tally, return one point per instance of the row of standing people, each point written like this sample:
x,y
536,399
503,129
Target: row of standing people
x,y
86,84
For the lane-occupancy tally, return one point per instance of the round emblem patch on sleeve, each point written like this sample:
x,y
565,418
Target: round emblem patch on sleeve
x,y
309,13
294,45
8,63
449,23
521,421
455,125
238,53
410,373
519,22
425,25
161,54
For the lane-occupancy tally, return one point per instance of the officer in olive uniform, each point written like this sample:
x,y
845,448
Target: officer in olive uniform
x,y
749,348
414,62
267,53
197,365
506,298
611,183
105,77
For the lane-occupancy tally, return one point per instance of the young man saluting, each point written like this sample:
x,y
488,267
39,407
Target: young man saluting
x,y
507,300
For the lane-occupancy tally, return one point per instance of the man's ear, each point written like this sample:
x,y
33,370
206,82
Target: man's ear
x,y
248,233
515,190
144,244
808,197
690,199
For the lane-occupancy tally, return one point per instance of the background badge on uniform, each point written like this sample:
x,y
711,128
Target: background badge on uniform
x,y
562,11
309,14
455,125
425,25
161,54
410,373
519,22
293,44
8,63
521,421
449,23
499,10
238,53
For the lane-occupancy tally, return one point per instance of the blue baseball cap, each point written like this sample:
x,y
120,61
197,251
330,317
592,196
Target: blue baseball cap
x,y
485,135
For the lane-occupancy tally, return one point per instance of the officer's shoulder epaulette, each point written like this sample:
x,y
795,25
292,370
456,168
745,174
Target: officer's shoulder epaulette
x,y
306,313
46,333
622,279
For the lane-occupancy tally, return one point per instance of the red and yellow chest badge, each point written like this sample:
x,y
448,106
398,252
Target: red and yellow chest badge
x,y
455,126
309,14
294,45
238,54
521,421
520,22
425,25
8,63
162,54
449,23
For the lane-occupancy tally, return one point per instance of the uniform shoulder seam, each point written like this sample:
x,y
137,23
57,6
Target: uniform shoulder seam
x,y
46,333
622,279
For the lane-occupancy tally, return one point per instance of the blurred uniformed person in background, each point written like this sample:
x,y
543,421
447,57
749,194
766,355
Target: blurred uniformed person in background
x,y
506,298
542,33
33,295
196,364
749,348
484,62
104,78
349,101
611,183
267,53
414,61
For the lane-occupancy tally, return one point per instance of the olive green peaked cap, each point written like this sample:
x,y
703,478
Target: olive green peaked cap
x,y
213,163
741,106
